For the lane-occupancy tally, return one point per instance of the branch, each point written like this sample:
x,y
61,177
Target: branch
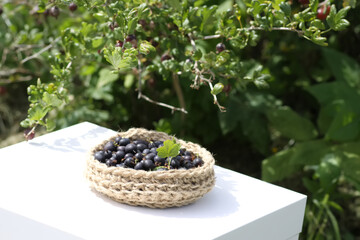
x,y
140,95
300,32
41,51
252,28
199,76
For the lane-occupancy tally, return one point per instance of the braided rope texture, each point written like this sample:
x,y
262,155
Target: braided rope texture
x,y
157,189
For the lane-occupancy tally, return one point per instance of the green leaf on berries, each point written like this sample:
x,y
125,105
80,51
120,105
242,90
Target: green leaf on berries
x,y
169,149
217,89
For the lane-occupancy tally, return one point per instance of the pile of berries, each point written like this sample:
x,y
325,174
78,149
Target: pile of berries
x,y
142,155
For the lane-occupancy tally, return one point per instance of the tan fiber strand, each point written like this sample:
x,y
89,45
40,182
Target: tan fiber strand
x,y
154,189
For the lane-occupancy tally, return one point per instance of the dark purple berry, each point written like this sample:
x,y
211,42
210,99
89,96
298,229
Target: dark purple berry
x,y
108,154
111,162
159,161
130,148
198,162
124,141
187,158
130,38
188,164
72,7
1,11
220,47
121,148
139,166
141,146
117,140
159,143
143,23
150,156
148,164
119,43
46,13
153,150
146,151
174,163
165,56
54,11
138,156
187,153
152,145
129,162
110,146
100,156
128,155
29,134
113,25
120,155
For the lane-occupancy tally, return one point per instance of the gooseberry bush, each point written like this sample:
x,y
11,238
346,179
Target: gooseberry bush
x,y
170,40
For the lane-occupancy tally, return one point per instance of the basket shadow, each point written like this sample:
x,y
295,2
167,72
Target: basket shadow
x,y
219,202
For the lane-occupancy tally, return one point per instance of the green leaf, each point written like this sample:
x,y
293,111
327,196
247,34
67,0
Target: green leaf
x,y
50,124
287,162
343,67
175,4
106,77
132,25
197,55
37,112
351,165
318,24
146,47
341,14
208,17
330,19
51,99
291,124
97,42
286,8
169,149
329,172
217,88
345,126
351,3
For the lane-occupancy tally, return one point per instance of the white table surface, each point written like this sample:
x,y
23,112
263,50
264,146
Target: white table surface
x,y
44,195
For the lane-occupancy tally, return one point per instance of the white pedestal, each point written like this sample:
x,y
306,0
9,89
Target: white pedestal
x,y
44,195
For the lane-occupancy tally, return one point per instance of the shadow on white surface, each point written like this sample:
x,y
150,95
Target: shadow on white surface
x,y
219,202
64,143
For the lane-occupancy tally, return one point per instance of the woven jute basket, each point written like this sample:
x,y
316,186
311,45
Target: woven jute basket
x,y
154,189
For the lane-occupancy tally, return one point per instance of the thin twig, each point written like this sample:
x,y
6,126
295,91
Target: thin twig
x,y
212,36
199,76
146,98
40,52
300,32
